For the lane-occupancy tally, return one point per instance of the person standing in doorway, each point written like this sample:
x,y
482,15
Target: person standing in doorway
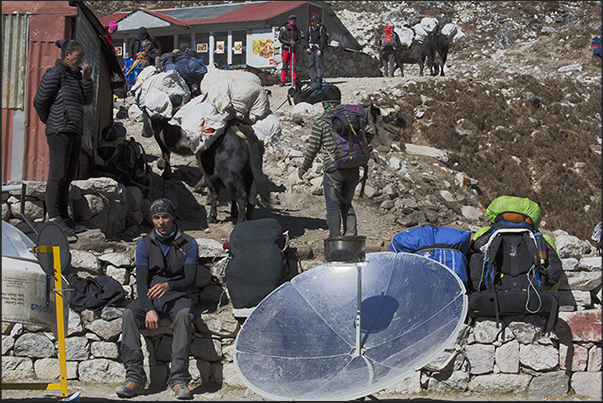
x,y
110,30
289,36
136,43
317,43
59,102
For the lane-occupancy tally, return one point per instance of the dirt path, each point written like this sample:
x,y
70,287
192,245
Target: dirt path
x,y
106,393
303,214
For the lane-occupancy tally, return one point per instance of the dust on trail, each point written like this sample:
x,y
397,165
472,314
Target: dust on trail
x,y
106,393
303,214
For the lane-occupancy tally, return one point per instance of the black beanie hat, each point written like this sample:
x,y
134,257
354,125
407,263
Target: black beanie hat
x,y
163,206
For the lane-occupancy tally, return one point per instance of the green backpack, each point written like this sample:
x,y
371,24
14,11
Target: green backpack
x,y
514,269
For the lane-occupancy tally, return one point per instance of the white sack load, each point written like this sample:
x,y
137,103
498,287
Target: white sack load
x,y
420,33
406,35
200,122
237,93
449,31
155,90
452,32
142,76
458,35
267,129
429,24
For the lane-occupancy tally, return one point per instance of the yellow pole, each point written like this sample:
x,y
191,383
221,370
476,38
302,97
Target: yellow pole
x,y
58,289
58,284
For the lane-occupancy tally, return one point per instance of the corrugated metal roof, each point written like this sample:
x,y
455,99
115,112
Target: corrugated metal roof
x,y
166,18
14,57
217,14
256,11
112,17
195,13
39,7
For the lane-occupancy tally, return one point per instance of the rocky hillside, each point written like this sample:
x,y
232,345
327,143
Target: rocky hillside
x,y
519,110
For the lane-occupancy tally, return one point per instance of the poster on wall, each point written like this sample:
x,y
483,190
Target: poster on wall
x,y
118,51
220,47
261,41
202,48
238,47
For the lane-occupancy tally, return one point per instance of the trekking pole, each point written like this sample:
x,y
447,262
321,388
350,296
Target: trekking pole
x,y
286,99
291,64
136,61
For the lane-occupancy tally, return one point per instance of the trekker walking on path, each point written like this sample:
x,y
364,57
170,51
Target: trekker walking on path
x,y
338,186
389,44
59,102
289,36
166,265
317,43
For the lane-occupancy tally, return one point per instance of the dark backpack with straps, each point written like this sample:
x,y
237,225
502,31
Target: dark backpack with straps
x,y
258,264
389,41
313,92
191,70
351,147
123,159
513,263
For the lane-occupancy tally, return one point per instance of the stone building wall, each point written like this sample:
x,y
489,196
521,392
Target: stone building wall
x,y
487,358
339,62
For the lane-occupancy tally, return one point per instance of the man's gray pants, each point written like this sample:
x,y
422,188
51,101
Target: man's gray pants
x,y
179,309
342,182
315,69
389,62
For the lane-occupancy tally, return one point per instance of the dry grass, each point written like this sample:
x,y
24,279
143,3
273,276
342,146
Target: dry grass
x,y
540,148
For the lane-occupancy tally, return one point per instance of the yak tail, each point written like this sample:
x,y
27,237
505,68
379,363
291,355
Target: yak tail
x,y
438,59
261,183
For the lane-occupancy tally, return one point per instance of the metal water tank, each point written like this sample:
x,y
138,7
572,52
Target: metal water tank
x,y
27,291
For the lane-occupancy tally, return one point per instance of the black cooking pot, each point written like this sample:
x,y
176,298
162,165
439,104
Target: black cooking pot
x,y
345,249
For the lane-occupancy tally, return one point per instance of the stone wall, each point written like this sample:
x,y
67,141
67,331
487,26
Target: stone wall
x,y
339,62
98,203
487,358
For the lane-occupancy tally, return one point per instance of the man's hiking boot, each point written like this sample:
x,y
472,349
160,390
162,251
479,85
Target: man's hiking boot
x,y
77,228
281,84
129,389
181,391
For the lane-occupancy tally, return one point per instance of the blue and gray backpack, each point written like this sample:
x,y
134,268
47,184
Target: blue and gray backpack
x,y
449,246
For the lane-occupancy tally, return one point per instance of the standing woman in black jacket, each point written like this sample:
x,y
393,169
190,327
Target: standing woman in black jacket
x,y
64,90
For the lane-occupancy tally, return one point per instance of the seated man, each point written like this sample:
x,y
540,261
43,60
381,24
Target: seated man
x,y
166,264
149,53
